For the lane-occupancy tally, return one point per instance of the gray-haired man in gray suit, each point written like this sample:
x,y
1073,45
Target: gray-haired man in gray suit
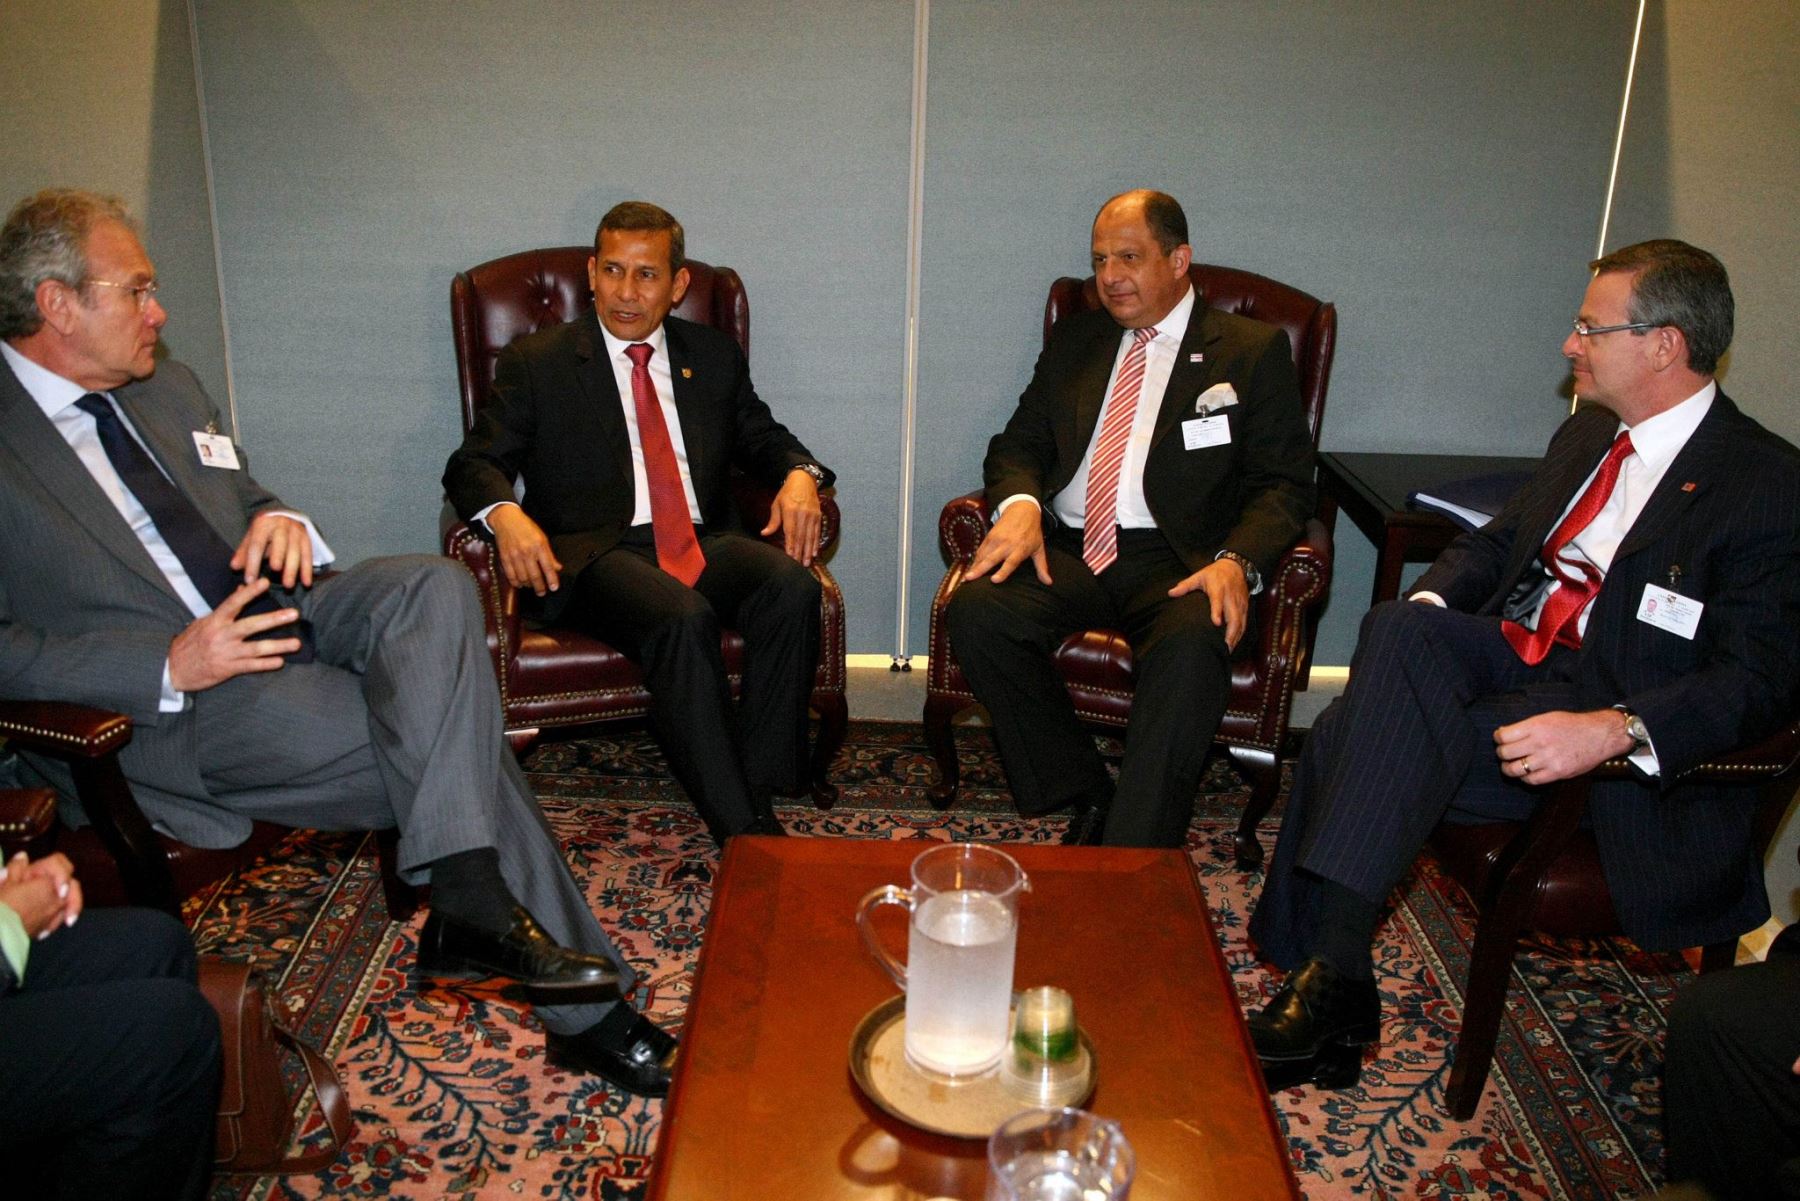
x,y
142,569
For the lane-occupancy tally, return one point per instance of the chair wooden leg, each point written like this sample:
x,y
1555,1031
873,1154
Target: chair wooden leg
x,y
520,740
834,722
941,738
1263,770
402,898
1484,995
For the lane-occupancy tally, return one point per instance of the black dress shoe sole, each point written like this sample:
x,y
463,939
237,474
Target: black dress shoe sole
x,y
457,967
1336,1066
623,1078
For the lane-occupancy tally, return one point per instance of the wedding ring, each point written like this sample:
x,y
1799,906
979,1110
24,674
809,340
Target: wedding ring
x,y
1525,767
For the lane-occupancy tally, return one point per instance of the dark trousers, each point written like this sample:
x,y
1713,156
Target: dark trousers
x,y
1731,1100
728,763
1004,636
1410,743
109,1064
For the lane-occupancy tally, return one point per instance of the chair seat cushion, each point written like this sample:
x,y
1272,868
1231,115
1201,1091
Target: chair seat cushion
x,y
565,676
1573,900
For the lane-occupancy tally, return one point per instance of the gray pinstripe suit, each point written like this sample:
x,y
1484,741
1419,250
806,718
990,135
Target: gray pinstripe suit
x,y
396,723
1412,736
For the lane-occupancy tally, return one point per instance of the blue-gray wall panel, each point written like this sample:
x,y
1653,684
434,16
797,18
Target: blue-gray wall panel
x,y
1437,170
364,153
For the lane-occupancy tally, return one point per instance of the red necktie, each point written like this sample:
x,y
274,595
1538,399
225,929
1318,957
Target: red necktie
x,y
1100,533
677,550
1560,618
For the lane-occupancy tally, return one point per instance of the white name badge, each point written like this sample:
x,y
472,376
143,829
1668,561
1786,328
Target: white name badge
x,y
1670,611
1205,431
216,450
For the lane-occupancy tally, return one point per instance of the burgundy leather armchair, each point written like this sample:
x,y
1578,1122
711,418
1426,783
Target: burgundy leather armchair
x,y
552,675
1545,874
1096,664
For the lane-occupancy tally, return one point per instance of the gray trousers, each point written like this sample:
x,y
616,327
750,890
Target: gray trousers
x,y
397,723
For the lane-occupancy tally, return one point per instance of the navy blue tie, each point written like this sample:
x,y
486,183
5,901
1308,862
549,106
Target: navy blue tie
x,y
203,554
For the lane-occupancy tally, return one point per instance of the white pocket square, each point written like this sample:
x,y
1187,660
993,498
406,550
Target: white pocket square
x,y
1218,396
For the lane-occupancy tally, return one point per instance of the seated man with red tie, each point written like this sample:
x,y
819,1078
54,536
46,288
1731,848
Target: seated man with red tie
x,y
624,425
1640,597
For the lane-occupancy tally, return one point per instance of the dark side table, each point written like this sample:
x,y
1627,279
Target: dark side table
x,y
1372,488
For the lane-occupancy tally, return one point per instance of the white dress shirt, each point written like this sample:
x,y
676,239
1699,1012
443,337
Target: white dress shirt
x,y
56,396
1133,511
664,381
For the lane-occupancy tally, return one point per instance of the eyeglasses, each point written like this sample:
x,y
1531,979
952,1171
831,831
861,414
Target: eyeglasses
x,y
139,292
1585,330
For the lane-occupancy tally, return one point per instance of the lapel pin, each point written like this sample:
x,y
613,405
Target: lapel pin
x,y
1689,486
687,373
1197,357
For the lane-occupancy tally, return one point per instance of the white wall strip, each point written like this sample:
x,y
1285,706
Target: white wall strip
x,y
1612,176
909,383
212,218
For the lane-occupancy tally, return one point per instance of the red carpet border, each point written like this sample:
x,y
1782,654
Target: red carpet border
x,y
452,1097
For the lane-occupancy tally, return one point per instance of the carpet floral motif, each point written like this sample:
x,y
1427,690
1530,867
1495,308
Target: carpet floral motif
x,y
452,1097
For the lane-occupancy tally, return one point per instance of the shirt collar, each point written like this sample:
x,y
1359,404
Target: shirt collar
x,y
1657,440
615,347
1173,327
51,391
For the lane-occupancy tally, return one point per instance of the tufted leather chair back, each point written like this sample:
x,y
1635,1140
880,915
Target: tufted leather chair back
x,y
504,298
1311,323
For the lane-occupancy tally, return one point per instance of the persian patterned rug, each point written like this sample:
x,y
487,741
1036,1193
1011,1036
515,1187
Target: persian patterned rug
x,y
452,1098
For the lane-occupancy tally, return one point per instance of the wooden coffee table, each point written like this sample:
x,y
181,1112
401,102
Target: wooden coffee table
x,y
763,1105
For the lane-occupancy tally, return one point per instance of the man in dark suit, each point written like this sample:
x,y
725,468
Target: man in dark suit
x,y
1158,463
624,426
133,547
109,1054
1639,597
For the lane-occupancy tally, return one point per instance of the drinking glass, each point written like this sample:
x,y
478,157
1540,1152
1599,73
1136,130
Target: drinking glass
x,y
1059,1155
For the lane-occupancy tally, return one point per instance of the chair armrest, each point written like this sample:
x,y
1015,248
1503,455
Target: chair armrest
x,y
499,599
1291,597
89,740
961,527
753,501
63,731
1773,757
26,818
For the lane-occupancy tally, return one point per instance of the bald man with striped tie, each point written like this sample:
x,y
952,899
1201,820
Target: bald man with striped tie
x,y
1158,463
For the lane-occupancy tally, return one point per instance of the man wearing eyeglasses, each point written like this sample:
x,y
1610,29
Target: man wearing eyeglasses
x,y
1638,599
143,569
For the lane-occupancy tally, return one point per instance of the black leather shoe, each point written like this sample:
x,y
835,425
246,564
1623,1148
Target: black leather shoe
x,y
1314,1029
639,1060
1087,825
525,953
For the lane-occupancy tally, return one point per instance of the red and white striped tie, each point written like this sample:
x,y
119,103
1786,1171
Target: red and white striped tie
x,y
1100,535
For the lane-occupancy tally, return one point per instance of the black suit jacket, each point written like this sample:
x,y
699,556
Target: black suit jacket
x,y
554,417
1727,514
1251,495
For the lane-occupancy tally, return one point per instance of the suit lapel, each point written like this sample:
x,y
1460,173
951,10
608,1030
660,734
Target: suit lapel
x,y
1187,377
600,393
34,441
173,448
1699,462
1088,388
694,430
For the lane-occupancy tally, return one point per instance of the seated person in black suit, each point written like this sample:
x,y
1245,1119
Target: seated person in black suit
x,y
1157,464
1639,597
109,1055
1731,1080
625,425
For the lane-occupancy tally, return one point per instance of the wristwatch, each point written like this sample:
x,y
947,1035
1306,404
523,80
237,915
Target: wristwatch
x,y
813,469
1634,729
1252,577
